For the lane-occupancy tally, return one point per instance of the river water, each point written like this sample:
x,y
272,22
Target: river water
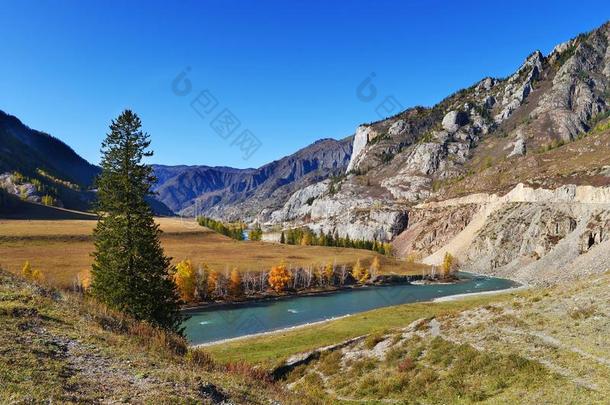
x,y
208,325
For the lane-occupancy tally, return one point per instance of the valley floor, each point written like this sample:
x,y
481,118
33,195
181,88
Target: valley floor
x,y
61,249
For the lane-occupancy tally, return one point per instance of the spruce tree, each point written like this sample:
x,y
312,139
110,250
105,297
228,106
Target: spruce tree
x,y
130,270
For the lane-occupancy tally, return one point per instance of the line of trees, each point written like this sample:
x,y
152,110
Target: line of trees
x,y
305,236
235,231
205,284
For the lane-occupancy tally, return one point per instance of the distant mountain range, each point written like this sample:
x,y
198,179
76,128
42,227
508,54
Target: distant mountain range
x,y
242,193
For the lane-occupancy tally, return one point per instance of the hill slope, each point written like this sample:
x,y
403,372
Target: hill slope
x,y
49,167
26,150
57,348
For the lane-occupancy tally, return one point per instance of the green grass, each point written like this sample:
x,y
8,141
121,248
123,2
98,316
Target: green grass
x,y
271,349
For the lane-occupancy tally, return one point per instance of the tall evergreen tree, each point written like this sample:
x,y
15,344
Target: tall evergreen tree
x,y
130,270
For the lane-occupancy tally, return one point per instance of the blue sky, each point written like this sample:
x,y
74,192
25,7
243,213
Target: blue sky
x,y
288,71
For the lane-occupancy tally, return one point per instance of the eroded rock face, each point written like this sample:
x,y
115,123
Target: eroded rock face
x,y
578,87
526,230
364,134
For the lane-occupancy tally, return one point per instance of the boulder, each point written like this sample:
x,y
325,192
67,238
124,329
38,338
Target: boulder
x,y
454,120
519,148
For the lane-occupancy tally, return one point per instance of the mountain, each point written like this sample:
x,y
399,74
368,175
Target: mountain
x,y
27,150
511,175
46,166
242,193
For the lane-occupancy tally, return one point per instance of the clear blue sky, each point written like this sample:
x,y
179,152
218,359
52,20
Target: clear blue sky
x,y
288,70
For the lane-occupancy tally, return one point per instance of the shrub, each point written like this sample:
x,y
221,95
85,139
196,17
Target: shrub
x,y
372,340
407,364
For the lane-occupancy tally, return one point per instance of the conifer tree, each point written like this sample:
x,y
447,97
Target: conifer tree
x,y
130,271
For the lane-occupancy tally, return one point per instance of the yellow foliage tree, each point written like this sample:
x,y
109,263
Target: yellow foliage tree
x,y
329,272
448,265
357,270
306,240
31,274
387,249
83,279
26,270
185,279
279,277
235,286
366,275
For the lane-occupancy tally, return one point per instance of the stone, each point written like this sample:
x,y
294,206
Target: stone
x,y
398,128
453,120
519,148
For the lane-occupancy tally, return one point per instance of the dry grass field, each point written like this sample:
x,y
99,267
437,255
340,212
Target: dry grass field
x,y
61,249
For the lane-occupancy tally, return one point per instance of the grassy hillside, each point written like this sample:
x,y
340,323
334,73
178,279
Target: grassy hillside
x,y
543,346
61,249
56,348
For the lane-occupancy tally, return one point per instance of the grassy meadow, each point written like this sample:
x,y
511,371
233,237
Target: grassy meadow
x,y
61,249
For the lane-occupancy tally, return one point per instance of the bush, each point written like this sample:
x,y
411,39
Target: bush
x,y
372,340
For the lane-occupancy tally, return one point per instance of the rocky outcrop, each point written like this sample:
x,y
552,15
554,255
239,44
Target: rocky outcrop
x,y
579,86
320,209
364,134
454,120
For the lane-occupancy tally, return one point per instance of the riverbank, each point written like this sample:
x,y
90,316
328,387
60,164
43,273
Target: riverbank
x,y
384,281
269,333
236,321
457,297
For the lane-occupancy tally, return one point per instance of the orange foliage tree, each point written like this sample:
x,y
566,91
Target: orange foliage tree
x,y
279,277
235,285
213,279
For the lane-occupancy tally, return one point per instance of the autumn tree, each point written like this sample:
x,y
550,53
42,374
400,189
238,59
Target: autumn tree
x,y
130,271
306,239
235,285
82,281
366,276
329,273
357,271
31,274
186,280
279,277
448,266
375,268
213,282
